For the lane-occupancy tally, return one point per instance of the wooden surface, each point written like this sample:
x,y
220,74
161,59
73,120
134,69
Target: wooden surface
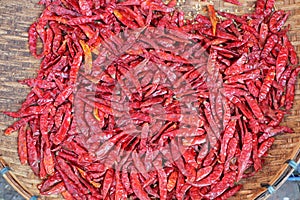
x,y
16,63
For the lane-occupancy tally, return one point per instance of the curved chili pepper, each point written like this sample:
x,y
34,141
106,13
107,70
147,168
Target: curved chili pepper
x,y
277,21
292,53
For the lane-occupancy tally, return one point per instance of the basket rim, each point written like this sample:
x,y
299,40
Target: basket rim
x,y
281,177
12,180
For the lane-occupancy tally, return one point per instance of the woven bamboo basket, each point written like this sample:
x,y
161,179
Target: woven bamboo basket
x,y
16,63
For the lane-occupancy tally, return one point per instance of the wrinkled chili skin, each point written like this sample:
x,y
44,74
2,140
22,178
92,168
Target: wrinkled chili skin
x,y
185,113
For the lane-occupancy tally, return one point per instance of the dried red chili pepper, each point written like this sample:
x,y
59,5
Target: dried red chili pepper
x,y
235,2
22,145
290,91
141,102
265,88
33,157
245,154
227,181
228,134
230,192
265,146
282,60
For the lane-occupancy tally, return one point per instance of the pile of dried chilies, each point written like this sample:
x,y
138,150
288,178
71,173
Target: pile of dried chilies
x,y
133,101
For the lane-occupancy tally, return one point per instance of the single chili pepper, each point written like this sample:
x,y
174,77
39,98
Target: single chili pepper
x,y
290,47
172,179
236,67
282,60
231,151
203,172
235,2
253,74
32,40
229,193
253,104
219,188
137,187
228,134
245,154
59,10
61,134
121,16
162,178
290,91
33,158
56,189
50,182
68,156
267,84
22,145
213,18
270,44
87,57
120,190
107,182
256,160
272,131
70,186
48,159
265,146
210,179
32,110
277,20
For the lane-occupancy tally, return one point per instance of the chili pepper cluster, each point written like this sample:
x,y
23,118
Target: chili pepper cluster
x,y
134,101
